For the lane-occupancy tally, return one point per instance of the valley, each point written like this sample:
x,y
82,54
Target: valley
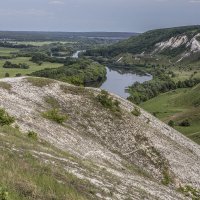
x,y
171,56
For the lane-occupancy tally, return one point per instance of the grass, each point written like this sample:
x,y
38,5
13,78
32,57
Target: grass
x,y
177,106
33,66
191,192
5,118
166,178
7,51
23,176
109,103
52,102
39,82
55,116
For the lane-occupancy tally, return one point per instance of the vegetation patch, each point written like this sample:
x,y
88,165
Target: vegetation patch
x,y
136,111
108,102
3,194
23,176
176,107
55,116
39,82
166,177
8,64
73,90
5,86
191,192
81,72
5,118
33,135
52,102
185,123
171,123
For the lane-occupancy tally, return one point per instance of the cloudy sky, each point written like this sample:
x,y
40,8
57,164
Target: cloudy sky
x,y
97,15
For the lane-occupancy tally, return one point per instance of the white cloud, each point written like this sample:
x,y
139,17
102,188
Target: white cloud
x,y
59,2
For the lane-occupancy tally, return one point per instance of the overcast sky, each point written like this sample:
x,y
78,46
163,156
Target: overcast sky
x,y
97,15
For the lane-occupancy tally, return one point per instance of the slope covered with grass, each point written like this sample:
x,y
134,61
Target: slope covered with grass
x,y
178,105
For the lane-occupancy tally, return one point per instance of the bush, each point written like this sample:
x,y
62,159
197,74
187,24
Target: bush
x,y
171,123
33,135
7,74
8,64
166,178
185,123
54,115
136,112
3,194
18,75
108,102
5,119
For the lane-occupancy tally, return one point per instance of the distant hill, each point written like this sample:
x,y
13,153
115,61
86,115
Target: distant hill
x,y
179,42
59,36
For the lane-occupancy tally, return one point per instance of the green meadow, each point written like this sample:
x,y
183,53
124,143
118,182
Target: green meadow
x,y
33,66
178,105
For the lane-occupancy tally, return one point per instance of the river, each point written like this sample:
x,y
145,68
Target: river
x,y
117,82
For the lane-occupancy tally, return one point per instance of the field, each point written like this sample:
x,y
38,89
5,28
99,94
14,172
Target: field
x,y
33,67
178,105
7,51
41,43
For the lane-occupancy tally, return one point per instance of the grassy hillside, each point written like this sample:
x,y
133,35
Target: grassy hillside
x,y
178,105
25,176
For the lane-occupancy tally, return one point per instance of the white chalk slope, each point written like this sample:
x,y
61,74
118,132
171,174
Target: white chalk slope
x,y
135,153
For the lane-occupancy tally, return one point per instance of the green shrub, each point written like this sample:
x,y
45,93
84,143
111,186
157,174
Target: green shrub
x,y
185,123
190,192
54,115
33,135
7,74
5,119
3,194
108,102
166,178
171,123
18,75
136,112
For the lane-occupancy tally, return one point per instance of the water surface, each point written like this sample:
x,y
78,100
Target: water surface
x,y
117,81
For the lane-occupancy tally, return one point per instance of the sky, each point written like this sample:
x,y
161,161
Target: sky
x,y
97,15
